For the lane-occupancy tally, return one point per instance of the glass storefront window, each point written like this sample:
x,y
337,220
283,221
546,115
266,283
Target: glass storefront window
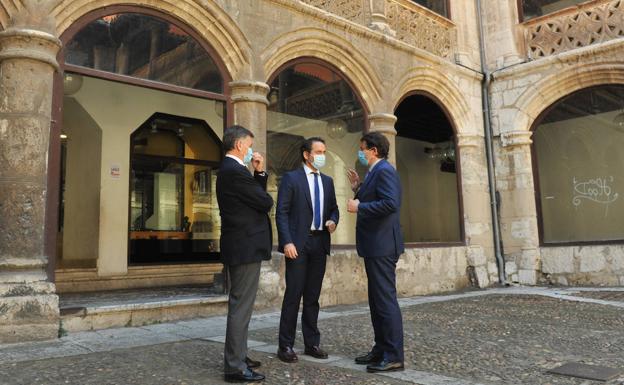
x,y
577,147
535,8
438,6
426,162
310,99
144,47
173,209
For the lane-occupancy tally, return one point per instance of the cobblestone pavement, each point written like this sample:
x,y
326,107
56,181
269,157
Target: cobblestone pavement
x,y
500,336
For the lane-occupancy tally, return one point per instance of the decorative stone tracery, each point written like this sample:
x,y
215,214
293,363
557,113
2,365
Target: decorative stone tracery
x,y
578,27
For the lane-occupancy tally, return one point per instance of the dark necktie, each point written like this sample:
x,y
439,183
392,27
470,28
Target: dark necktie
x,y
317,203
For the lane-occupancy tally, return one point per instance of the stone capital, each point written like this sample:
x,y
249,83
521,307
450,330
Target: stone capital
x,y
383,123
512,139
30,44
249,91
469,140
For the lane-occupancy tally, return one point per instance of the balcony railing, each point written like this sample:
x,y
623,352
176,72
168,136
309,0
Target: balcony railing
x,y
574,27
413,24
353,10
422,28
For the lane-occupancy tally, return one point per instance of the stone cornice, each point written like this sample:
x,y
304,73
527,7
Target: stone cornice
x,y
25,43
249,91
572,57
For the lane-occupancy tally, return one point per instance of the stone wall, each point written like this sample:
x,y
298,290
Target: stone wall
x,y
419,272
583,265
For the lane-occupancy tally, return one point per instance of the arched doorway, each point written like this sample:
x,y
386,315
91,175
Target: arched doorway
x,y
308,98
136,80
578,170
428,165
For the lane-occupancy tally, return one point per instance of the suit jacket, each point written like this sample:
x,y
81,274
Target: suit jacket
x,y
294,215
378,229
244,206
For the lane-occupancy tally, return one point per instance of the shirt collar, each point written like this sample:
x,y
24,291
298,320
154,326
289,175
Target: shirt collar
x,y
236,159
373,165
308,170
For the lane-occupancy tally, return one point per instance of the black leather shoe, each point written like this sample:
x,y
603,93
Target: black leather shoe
x,y
385,366
315,352
368,358
287,354
252,364
246,376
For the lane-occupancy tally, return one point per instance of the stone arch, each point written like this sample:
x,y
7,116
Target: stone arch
x,y
320,44
441,88
211,22
547,91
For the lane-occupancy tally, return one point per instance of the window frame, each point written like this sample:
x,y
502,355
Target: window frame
x,y
54,149
536,184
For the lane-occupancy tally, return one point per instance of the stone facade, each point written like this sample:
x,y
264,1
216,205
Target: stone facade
x,y
387,49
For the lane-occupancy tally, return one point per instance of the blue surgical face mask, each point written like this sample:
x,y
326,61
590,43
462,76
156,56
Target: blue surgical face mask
x,y
248,156
362,158
318,162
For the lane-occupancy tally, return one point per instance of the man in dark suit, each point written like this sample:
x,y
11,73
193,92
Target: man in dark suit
x,y
379,240
245,242
306,215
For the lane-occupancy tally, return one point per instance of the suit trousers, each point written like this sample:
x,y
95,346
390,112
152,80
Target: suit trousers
x,y
384,307
243,287
304,278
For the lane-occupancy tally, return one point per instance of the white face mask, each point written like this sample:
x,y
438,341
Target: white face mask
x,y
318,161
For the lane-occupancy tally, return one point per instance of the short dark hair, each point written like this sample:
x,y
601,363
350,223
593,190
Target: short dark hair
x,y
233,134
378,141
306,146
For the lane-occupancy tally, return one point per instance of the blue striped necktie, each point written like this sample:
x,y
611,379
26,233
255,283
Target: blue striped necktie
x,y
317,203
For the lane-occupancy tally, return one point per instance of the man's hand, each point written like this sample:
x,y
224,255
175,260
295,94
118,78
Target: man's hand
x,y
354,179
290,251
352,205
331,226
257,162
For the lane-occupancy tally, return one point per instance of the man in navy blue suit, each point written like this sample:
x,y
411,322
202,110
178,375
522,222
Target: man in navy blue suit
x,y
380,242
305,216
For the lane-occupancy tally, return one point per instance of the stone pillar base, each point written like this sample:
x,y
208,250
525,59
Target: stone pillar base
x,y
28,312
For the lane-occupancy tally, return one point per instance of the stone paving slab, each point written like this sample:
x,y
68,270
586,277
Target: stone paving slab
x,y
497,336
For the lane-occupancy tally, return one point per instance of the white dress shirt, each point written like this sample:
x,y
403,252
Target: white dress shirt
x,y
310,176
236,159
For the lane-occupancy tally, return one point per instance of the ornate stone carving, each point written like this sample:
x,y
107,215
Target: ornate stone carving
x,y
578,27
349,9
422,28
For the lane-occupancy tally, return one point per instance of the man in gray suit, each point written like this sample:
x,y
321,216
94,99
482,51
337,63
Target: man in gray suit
x,y
245,242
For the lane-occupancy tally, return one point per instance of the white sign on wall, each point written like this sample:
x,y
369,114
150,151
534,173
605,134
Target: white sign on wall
x,y
115,171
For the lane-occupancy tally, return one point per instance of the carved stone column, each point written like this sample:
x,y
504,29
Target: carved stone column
x,y
249,100
28,303
384,123
518,211
476,208
378,21
503,38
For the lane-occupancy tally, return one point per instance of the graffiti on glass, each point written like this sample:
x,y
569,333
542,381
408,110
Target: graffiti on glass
x,y
595,190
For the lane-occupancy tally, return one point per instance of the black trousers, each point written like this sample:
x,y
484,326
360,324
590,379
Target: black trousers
x,y
304,278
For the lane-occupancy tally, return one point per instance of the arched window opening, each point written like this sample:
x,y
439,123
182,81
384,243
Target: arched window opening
x,y
427,165
310,98
580,178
